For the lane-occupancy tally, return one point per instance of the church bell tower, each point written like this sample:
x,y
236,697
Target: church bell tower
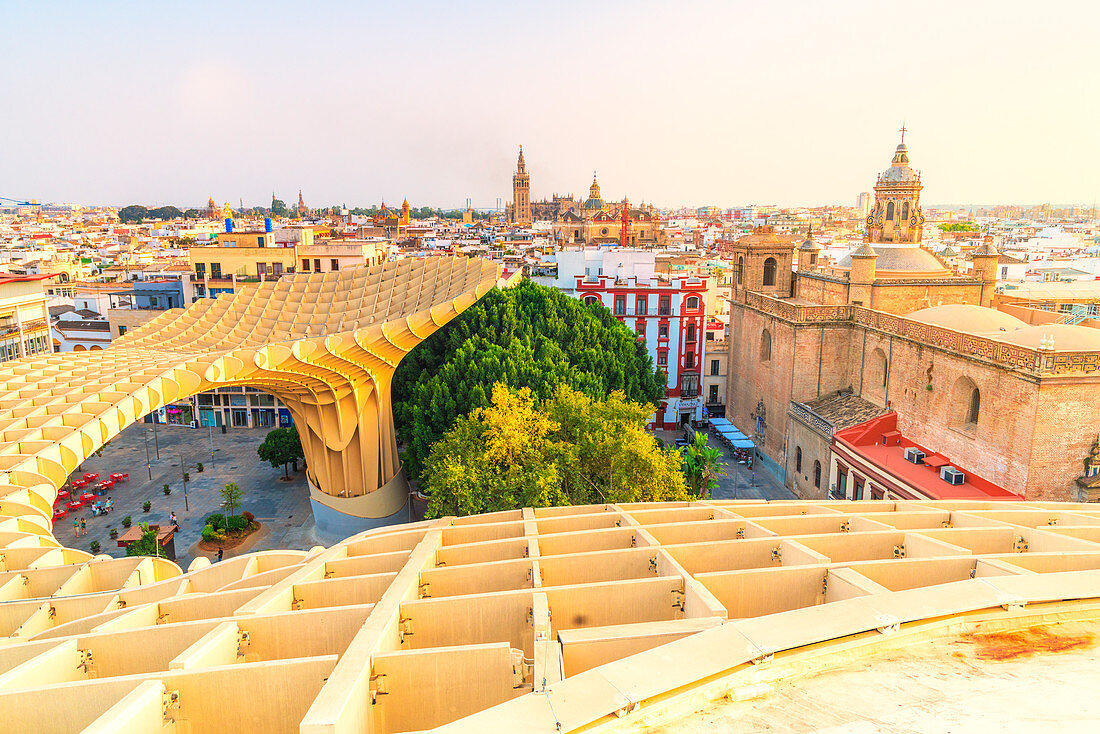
x,y
521,193
896,217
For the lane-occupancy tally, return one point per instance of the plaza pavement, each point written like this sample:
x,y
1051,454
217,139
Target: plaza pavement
x,y
283,508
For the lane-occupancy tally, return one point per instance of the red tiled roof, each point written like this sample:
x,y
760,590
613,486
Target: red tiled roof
x,y
864,440
6,278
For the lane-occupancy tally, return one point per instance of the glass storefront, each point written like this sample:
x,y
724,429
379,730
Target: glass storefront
x,y
179,415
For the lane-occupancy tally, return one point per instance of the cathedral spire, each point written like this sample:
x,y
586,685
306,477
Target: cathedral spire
x,y
521,165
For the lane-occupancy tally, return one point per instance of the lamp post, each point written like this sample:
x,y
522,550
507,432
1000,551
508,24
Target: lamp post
x,y
186,507
156,442
148,462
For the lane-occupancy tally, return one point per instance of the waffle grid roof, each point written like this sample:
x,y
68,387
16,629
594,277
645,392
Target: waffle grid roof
x,y
529,620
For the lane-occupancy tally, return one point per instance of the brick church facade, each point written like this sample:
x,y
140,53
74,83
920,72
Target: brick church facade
x,y
891,327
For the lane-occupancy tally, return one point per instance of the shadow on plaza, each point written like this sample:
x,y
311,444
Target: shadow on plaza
x,y
282,507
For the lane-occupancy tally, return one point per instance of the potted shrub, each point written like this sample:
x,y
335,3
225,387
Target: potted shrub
x,y
146,505
94,546
126,521
167,490
198,467
114,533
186,477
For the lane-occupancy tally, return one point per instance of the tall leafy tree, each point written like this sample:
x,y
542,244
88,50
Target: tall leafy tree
x,y
605,454
568,450
529,336
281,446
497,458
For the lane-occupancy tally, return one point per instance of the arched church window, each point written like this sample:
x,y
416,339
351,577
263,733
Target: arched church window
x,y
769,271
905,210
589,300
740,270
975,407
765,346
966,405
692,302
890,210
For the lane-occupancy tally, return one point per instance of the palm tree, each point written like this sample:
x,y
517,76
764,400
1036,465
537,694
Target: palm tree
x,y
703,465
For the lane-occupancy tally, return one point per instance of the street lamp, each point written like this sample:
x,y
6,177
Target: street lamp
x,y
186,507
148,462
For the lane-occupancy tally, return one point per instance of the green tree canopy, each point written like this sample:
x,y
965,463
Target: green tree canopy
x,y
137,213
281,446
529,336
132,213
959,227
605,454
570,449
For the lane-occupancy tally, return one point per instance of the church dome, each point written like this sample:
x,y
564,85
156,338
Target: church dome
x,y
899,170
909,261
594,201
968,318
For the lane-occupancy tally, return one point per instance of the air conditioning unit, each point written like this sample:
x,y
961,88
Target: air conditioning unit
x,y
914,455
951,475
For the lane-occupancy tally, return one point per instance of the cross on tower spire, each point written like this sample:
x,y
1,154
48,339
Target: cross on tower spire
x,y
902,131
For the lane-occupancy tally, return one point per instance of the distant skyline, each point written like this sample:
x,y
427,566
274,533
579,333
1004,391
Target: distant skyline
x,y
685,103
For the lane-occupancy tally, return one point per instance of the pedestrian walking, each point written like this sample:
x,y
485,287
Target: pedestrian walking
x,y
172,516
83,526
76,527
220,552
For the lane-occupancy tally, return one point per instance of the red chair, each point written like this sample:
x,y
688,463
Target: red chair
x,y
75,505
119,477
60,513
63,495
90,477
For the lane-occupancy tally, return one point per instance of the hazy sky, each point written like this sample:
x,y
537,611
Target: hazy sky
x,y
676,102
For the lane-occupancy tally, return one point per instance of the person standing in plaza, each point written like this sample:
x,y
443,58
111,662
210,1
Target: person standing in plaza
x,y
76,527
83,526
220,552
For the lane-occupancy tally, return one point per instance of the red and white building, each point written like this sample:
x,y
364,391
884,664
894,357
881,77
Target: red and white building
x,y
668,315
